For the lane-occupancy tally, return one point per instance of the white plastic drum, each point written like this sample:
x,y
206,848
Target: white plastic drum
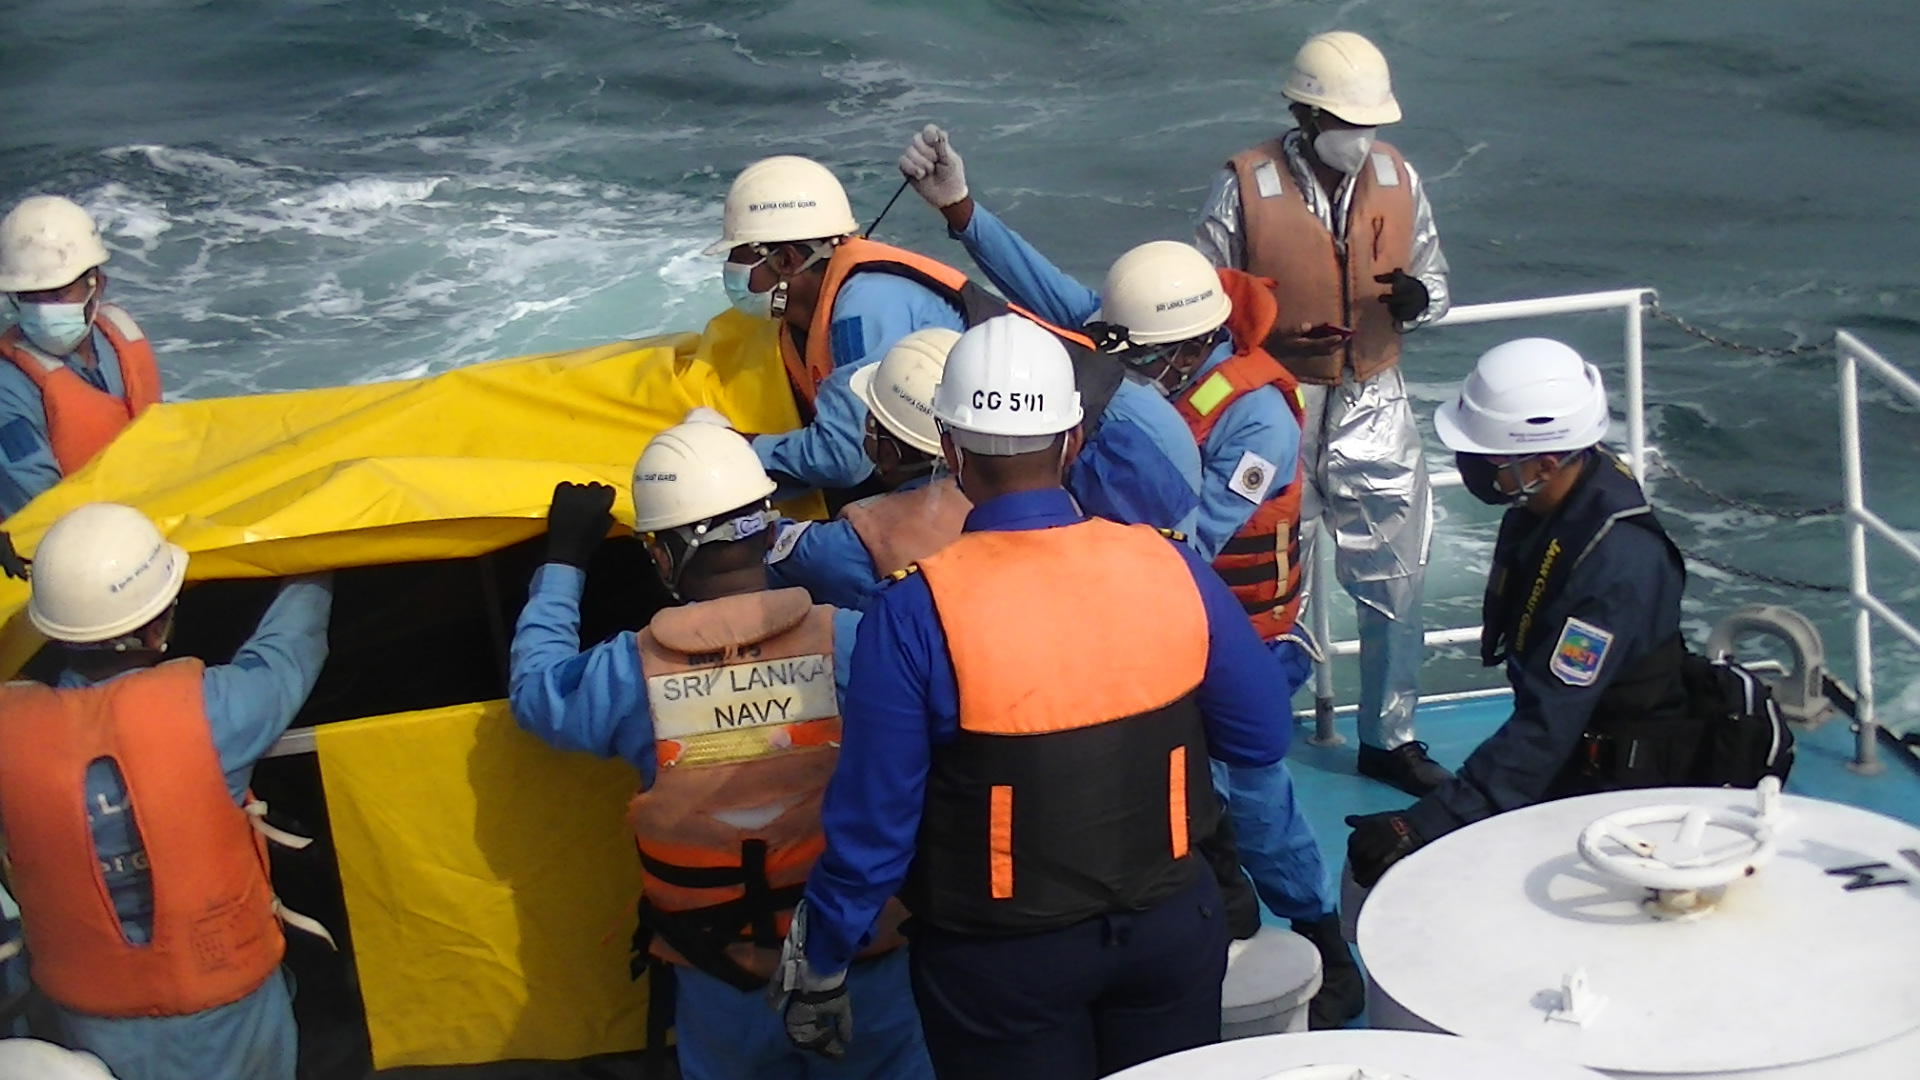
x,y
1806,966
1271,980
1355,1055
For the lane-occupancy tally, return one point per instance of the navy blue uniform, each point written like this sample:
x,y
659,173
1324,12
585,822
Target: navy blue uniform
x,y
1617,603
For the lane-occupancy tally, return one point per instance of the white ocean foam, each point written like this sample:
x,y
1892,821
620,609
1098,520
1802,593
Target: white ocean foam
x,y
366,194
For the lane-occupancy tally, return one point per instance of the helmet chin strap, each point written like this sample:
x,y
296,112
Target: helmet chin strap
x,y
1525,492
817,250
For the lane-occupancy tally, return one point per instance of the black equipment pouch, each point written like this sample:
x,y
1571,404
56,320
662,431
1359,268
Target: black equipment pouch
x,y
1746,738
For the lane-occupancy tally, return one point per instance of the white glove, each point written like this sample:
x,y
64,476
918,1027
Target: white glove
x,y
933,167
700,414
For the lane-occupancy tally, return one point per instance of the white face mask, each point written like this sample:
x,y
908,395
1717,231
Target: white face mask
x,y
1345,150
734,278
56,329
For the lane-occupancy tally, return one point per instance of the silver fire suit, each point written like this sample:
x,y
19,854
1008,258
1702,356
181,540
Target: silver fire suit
x,y
1367,477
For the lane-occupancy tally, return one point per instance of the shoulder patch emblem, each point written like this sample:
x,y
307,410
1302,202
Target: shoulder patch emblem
x,y
785,539
1251,477
1580,652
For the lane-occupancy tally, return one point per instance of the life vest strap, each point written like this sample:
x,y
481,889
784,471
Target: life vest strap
x,y
256,811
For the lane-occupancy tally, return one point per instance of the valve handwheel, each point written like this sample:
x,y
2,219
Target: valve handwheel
x,y
1612,846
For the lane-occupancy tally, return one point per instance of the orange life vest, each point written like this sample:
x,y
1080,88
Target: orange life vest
x,y
746,720
974,304
1260,562
1317,280
82,420
1076,785
215,934
900,528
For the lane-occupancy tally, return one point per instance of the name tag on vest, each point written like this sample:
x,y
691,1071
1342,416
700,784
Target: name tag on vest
x,y
764,693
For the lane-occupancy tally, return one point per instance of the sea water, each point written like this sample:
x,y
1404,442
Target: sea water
x,y
314,192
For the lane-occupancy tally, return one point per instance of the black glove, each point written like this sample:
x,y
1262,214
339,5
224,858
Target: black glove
x,y
577,521
1377,842
1409,296
820,1021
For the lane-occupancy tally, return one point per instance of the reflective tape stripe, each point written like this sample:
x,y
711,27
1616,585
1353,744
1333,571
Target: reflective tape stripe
x,y
1000,842
1208,395
1177,799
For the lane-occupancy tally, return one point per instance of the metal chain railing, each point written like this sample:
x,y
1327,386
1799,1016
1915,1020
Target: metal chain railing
x,y
1765,579
1668,472
1787,352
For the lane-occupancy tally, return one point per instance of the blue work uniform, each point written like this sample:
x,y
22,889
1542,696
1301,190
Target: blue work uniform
x,y
596,701
828,559
1618,605
1138,465
903,700
27,465
1276,844
871,312
249,704
1024,994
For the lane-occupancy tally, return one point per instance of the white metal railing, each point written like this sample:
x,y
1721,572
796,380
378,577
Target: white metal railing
x,y
1852,355
1631,303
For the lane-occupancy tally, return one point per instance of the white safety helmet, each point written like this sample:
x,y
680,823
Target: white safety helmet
x,y
31,1059
898,390
101,572
1163,291
47,242
693,472
777,200
1530,396
1008,389
1344,74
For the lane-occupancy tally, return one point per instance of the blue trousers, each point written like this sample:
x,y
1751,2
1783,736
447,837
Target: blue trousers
x,y
1076,1003
729,1034
1277,848
251,1039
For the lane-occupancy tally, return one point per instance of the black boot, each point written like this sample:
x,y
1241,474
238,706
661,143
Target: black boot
x,y
1406,767
1343,991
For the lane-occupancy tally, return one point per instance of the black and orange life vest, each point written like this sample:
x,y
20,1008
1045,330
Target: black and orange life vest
x,y
1075,786
82,420
1260,562
215,936
1316,278
746,720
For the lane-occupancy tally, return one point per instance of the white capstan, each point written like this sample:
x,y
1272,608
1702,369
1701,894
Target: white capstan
x,y
1528,396
101,572
1344,74
1163,291
47,242
1008,388
782,199
692,472
898,390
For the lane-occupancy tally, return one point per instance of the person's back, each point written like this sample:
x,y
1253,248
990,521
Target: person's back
x,y
76,369
1194,333
1037,804
133,774
728,706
